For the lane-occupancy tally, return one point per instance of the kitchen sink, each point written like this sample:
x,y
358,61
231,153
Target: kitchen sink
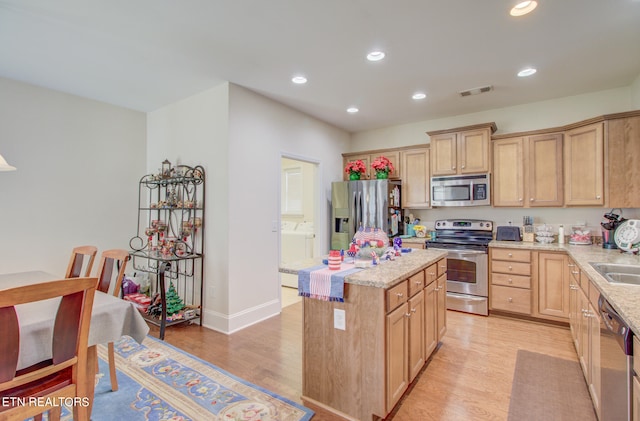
x,y
618,274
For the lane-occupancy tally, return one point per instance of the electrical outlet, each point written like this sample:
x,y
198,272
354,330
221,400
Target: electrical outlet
x,y
339,319
274,226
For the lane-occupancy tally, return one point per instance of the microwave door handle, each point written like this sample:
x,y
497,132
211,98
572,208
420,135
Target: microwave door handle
x,y
471,191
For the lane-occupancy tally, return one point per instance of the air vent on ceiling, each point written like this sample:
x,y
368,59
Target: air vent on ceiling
x,y
476,91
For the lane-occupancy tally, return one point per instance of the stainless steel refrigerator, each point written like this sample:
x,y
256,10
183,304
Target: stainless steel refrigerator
x,y
366,203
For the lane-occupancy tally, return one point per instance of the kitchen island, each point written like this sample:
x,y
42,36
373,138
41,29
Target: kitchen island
x,y
360,355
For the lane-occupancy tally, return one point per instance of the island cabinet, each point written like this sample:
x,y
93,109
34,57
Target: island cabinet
x,y
362,369
636,380
464,150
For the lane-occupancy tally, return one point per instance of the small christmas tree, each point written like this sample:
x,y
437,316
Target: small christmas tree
x,y
174,302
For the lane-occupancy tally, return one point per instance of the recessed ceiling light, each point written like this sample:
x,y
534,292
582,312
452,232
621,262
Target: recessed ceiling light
x,y
523,8
375,56
299,80
352,110
526,72
419,95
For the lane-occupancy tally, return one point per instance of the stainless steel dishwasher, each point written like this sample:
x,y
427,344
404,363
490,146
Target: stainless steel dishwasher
x,y
616,365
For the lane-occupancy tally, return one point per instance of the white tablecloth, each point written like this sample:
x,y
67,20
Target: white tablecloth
x,y
111,318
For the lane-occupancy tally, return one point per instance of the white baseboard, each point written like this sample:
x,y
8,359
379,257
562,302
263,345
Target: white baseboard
x,y
229,324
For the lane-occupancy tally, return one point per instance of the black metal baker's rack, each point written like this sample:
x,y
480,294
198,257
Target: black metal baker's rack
x,y
169,240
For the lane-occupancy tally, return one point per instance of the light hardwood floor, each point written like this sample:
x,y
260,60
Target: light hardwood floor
x,y
468,378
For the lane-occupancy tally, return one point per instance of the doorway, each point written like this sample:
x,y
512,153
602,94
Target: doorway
x,y
298,219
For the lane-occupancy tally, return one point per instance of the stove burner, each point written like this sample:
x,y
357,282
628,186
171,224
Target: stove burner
x,y
462,234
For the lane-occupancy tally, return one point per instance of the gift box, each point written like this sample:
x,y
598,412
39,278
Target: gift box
x,y
141,301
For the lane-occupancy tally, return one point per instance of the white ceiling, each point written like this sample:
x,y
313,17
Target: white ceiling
x,y
145,54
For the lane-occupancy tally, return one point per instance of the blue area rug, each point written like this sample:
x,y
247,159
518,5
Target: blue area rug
x,y
157,381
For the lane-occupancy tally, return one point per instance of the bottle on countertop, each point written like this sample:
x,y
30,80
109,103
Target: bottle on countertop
x,y
561,234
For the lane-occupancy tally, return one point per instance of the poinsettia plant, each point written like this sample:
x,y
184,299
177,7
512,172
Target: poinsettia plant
x,y
356,166
382,163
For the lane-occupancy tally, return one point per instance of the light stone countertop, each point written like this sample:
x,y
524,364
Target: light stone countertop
x,y
625,299
384,275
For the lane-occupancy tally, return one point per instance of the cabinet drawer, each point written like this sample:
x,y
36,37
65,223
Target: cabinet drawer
x,y
431,273
515,268
511,255
396,295
416,283
516,300
442,267
505,279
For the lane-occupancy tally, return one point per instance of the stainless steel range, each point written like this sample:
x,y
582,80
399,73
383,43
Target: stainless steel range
x,y
467,241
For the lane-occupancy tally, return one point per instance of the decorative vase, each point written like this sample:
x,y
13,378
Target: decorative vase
x,y
354,176
382,175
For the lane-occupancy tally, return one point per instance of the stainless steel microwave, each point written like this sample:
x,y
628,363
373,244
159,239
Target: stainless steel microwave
x,y
460,190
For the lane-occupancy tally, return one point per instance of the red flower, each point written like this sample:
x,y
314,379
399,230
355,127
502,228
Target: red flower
x,y
355,167
382,163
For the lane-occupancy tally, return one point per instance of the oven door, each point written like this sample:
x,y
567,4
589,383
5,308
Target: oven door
x,y
467,272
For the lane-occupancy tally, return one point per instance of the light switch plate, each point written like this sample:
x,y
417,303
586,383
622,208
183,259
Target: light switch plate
x,y
274,226
339,319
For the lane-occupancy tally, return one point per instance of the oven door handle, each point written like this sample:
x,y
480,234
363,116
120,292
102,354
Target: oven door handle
x,y
467,254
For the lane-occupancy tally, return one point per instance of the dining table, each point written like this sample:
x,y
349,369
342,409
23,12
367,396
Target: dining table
x,y
111,318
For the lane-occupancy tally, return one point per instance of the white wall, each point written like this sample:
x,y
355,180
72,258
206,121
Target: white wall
x,y
194,131
635,93
79,162
260,132
533,116
540,115
239,137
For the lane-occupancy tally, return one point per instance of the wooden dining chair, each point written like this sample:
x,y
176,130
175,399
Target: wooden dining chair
x,y
113,264
82,256
62,376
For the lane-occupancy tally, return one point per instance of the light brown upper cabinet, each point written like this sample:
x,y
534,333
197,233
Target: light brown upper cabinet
x,y
584,165
527,171
415,178
367,158
623,160
464,150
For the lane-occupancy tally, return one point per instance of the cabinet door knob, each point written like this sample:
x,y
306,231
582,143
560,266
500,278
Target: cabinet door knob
x,y
462,166
453,168
418,282
510,255
400,295
510,299
413,310
598,197
407,315
531,200
510,268
510,280
520,199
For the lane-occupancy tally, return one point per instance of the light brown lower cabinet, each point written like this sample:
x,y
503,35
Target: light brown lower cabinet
x,y
553,286
530,283
584,321
363,370
414,330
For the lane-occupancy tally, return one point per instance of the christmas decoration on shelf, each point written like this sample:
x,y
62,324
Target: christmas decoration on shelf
x,y
174,302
